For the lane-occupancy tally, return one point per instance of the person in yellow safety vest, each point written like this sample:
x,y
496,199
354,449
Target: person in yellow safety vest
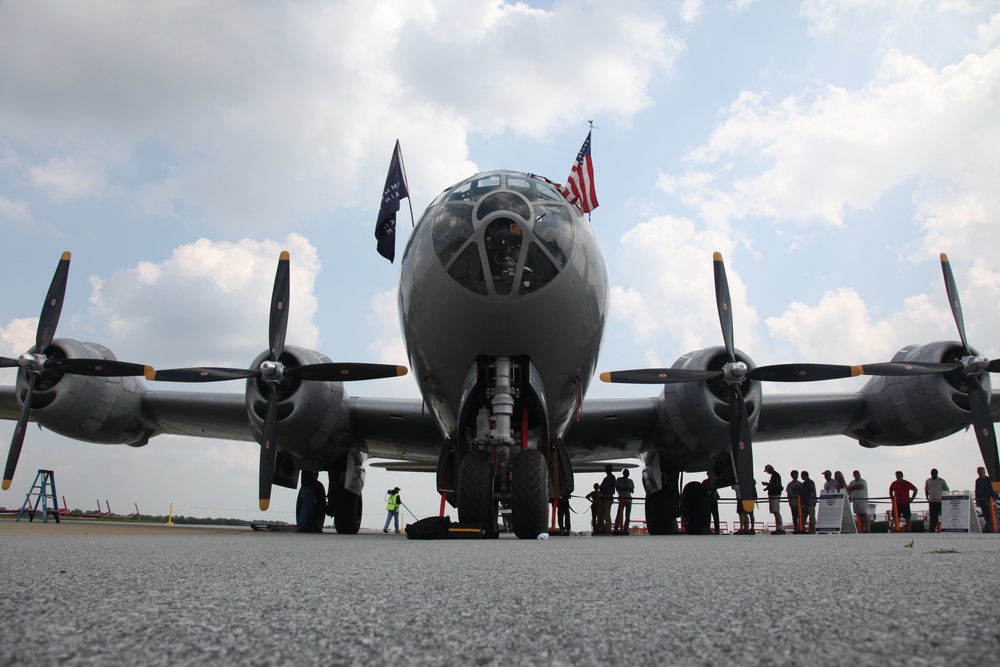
x,y
392,507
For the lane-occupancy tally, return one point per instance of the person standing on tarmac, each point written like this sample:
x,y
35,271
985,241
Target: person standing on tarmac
x,y
625,487
808,498
774,488
858,490
392,507
595,507
793,491
934,488
562,511
903,492
984,495
607,499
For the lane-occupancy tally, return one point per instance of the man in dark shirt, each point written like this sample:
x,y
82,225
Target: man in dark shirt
x,y
774,489
808,498
985,493
625,487
607,499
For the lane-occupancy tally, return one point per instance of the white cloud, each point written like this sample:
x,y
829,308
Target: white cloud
x,y
670,303
817,156
16,211
70,178
207,304
308,102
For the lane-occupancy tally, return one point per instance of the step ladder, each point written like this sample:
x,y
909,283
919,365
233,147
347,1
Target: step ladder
x,y
43,491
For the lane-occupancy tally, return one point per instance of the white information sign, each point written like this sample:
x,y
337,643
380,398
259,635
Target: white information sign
x,y
956,510
833,514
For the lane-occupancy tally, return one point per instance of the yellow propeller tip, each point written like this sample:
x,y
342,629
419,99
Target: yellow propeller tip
x,y
996,486
66,255
857,370
284,256
716,256
944,257
605,377
264,504
401,371
748,506
6,484
149,373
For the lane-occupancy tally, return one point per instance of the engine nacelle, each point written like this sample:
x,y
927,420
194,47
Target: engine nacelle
x,y
698,412
102,410
311,414
912,410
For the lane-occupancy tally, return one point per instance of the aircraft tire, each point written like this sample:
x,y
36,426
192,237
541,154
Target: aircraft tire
x,y
529,494
347,511
476,500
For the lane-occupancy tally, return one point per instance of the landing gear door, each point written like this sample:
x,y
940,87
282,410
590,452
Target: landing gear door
x,y
652,479
354,474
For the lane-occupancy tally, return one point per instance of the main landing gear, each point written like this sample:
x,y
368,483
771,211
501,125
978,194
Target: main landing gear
x,y
498,470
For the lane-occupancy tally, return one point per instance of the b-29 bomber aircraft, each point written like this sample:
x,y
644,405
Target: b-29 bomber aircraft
x,y
503,300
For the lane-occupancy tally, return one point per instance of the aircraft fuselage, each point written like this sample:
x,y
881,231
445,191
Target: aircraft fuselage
x,y
501,266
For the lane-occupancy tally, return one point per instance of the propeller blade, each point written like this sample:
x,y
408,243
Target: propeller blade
x,y
51,309
817,372
724,302
15,444
201,374
907,368
278,324
344,372
956,303
658,376
97,367
994,366
268,448
739,429
7,362
982,421
802,372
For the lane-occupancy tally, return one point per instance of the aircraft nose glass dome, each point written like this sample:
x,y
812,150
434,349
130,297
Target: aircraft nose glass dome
x,y
502,233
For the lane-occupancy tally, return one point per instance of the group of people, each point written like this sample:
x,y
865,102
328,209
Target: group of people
x,y
801,495
601,499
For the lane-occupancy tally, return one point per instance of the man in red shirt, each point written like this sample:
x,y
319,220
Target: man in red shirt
x,y
903,492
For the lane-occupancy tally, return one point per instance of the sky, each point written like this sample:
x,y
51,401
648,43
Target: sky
x,y
829,150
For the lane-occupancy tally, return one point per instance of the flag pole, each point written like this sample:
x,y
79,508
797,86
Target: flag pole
x,y
409,199
589,134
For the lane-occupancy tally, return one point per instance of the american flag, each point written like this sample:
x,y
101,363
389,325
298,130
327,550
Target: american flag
x,y
579,188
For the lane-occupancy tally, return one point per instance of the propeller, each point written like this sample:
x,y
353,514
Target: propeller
x,y
971,366
734,372
272,371
35,362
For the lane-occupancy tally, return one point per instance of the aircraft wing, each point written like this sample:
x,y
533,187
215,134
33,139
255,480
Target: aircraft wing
x,y
619,428
390,428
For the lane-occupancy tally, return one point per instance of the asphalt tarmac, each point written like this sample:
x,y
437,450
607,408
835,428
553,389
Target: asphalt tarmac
x,y
87,593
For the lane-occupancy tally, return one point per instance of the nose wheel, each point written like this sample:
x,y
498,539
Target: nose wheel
x,y
476,500
529,494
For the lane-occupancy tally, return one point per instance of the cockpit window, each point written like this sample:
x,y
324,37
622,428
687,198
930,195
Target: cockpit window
x,y
452,228
503,201
538,270
504,233
535,189
467,270
502,240
554,230
475,187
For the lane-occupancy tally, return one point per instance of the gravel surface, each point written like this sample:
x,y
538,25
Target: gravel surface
x,y
246,598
